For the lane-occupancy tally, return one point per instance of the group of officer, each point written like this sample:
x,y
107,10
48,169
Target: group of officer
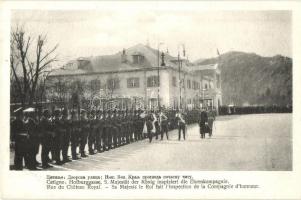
x,y
100,130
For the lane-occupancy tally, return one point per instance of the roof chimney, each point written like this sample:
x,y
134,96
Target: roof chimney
x,y
162,59
123,56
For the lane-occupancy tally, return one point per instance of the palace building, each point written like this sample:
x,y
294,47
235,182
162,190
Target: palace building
x,y
139,76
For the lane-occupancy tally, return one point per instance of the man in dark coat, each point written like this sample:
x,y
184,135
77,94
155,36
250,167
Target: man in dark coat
x,y
93,132
163,121
20,138
150,126
74,136
47,133
34,140
58,137
203,121
84,132
66,131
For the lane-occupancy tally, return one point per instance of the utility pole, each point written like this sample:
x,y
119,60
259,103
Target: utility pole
x,y
180,66
158,98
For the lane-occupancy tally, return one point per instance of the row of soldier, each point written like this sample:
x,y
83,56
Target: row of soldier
x,y
97,129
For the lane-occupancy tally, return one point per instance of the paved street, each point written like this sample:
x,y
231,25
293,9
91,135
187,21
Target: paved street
x,y
239,142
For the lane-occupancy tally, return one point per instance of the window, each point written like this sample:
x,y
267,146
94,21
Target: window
x,y
196,85
138,59
113,83
188,84
174,81
206,86
218,79
95,84
153,81
133,82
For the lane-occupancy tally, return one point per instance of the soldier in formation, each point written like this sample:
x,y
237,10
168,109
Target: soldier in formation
x,y
96,131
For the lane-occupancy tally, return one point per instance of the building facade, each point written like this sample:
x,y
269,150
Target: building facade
x,y
139,76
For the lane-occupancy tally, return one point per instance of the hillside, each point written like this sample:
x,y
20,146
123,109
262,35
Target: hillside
x,y
248,78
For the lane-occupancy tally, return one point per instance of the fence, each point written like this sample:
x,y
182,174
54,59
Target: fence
x,y
237,110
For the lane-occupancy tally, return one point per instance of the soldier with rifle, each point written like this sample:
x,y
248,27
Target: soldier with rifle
x,y
20,140
34,139
119,129
122,127
58,137
93,132
66,132
84,132
105,131
75,131
129,127
47,133
109,129
136,125
114,128
100,136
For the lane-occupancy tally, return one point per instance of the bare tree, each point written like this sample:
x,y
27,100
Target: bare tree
x,y
29,58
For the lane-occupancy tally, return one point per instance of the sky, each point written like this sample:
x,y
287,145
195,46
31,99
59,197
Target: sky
x,y
101,32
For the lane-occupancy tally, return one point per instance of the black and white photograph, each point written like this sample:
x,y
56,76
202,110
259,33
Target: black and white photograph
x,y
153,88
151,91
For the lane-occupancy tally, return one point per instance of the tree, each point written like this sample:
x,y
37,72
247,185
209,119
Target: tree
x,y
29,59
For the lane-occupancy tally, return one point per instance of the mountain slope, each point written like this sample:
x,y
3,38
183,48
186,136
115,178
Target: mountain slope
x,y
248,78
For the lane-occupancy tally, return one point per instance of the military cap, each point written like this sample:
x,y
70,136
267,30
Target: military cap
x,y
56,112
64,112
45,112
29,110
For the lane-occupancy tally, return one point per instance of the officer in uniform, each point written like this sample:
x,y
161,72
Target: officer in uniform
x,y
34,141
141,121
66,132
150,126
163,120
211,119
181,124
20,138
84,132
202,122
47,133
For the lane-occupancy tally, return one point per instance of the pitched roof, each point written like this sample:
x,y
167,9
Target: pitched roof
x,y
107,63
